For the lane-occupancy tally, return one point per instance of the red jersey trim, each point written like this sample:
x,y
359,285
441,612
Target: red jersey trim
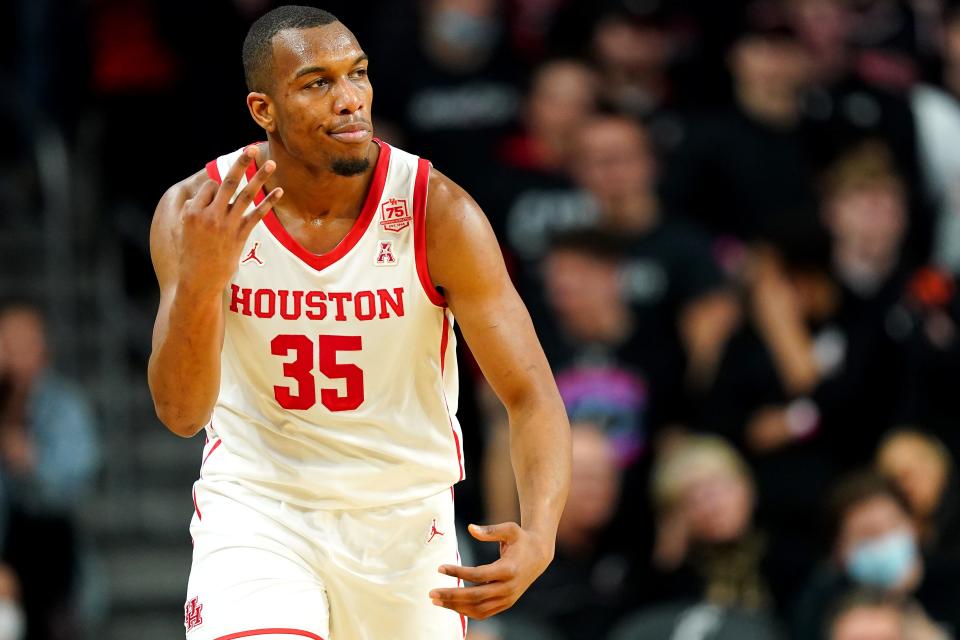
x,y
262,632
444,339
420,232
214,172
210,453
324,260
463,618
195,507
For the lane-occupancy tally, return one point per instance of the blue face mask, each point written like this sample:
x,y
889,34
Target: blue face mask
x,y
883,562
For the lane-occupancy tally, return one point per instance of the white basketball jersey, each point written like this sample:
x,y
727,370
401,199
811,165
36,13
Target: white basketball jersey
x,y
338,381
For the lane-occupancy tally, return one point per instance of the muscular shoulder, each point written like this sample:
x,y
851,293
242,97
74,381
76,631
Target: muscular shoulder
x,y
166,221
448,205
175,196
457,230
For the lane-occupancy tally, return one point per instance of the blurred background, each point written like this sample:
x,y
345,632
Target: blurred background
x,y
736,225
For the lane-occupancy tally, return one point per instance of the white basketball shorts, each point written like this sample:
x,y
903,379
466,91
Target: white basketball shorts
x,y
268,570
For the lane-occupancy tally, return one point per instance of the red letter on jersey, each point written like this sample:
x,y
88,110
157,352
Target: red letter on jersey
x,y
265,303
340,298
297,299
315,301
240,297
395,303
364,305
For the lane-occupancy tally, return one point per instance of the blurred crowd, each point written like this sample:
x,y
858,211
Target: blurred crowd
x,y
736,226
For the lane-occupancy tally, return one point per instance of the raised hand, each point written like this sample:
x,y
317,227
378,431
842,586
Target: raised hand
x,y
523,557
213,229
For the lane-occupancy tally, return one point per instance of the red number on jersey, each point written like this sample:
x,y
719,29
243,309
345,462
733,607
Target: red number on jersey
x,y
331,399
301,370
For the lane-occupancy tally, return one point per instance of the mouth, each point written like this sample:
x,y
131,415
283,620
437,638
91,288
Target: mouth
x,y
351,133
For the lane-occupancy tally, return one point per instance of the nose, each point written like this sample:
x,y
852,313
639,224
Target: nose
x,y
349,98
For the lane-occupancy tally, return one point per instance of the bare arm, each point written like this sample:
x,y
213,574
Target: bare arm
x,y
465,261
195,241
705,325
781,325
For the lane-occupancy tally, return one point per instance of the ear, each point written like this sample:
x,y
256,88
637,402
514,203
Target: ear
x,y
261,110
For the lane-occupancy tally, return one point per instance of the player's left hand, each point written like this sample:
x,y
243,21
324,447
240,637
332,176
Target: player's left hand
x,y
524,555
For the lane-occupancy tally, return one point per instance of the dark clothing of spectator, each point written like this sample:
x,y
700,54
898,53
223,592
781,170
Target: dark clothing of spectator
x,y
42,551
926,320
578,595
664,270
738,176
455,119
758,573
699,619
945,536
526,208
667,269
864,398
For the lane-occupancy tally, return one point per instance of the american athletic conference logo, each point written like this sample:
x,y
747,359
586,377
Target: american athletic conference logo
x,y
394,215
192,614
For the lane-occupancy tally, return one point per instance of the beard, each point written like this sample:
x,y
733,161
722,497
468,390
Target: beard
x,y
348,167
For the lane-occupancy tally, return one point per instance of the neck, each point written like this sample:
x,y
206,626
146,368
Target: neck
x,y
778,108
635,214
312,193
551,148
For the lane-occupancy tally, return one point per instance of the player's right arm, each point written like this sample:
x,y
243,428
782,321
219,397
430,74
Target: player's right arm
x,y
195,243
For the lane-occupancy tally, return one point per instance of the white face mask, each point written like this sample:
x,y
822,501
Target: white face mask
x,y
12,624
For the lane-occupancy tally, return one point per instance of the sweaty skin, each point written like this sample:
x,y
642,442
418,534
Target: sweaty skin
x,y
317,112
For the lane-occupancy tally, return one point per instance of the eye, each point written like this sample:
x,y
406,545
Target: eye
x,y
319,82
360,73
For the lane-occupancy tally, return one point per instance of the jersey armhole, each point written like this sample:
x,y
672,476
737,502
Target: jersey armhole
x,y
420,232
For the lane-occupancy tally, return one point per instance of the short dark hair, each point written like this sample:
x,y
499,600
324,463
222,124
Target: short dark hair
x,y
854,489
257,46
21,302
596,243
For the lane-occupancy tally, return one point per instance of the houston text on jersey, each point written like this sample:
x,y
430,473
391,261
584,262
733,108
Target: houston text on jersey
x,y
313,305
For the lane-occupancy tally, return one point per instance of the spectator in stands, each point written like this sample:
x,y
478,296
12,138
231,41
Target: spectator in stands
x,y
563,93
534,195
633,48
681,304
865,210
763,396
591,343
48,458
579,592
627,294
869,614
708,549
455,90
936,106
12,619
11,612
874,543
751,193
924,471
48,443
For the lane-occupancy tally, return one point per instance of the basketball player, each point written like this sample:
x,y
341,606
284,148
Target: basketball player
x,y
309,286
